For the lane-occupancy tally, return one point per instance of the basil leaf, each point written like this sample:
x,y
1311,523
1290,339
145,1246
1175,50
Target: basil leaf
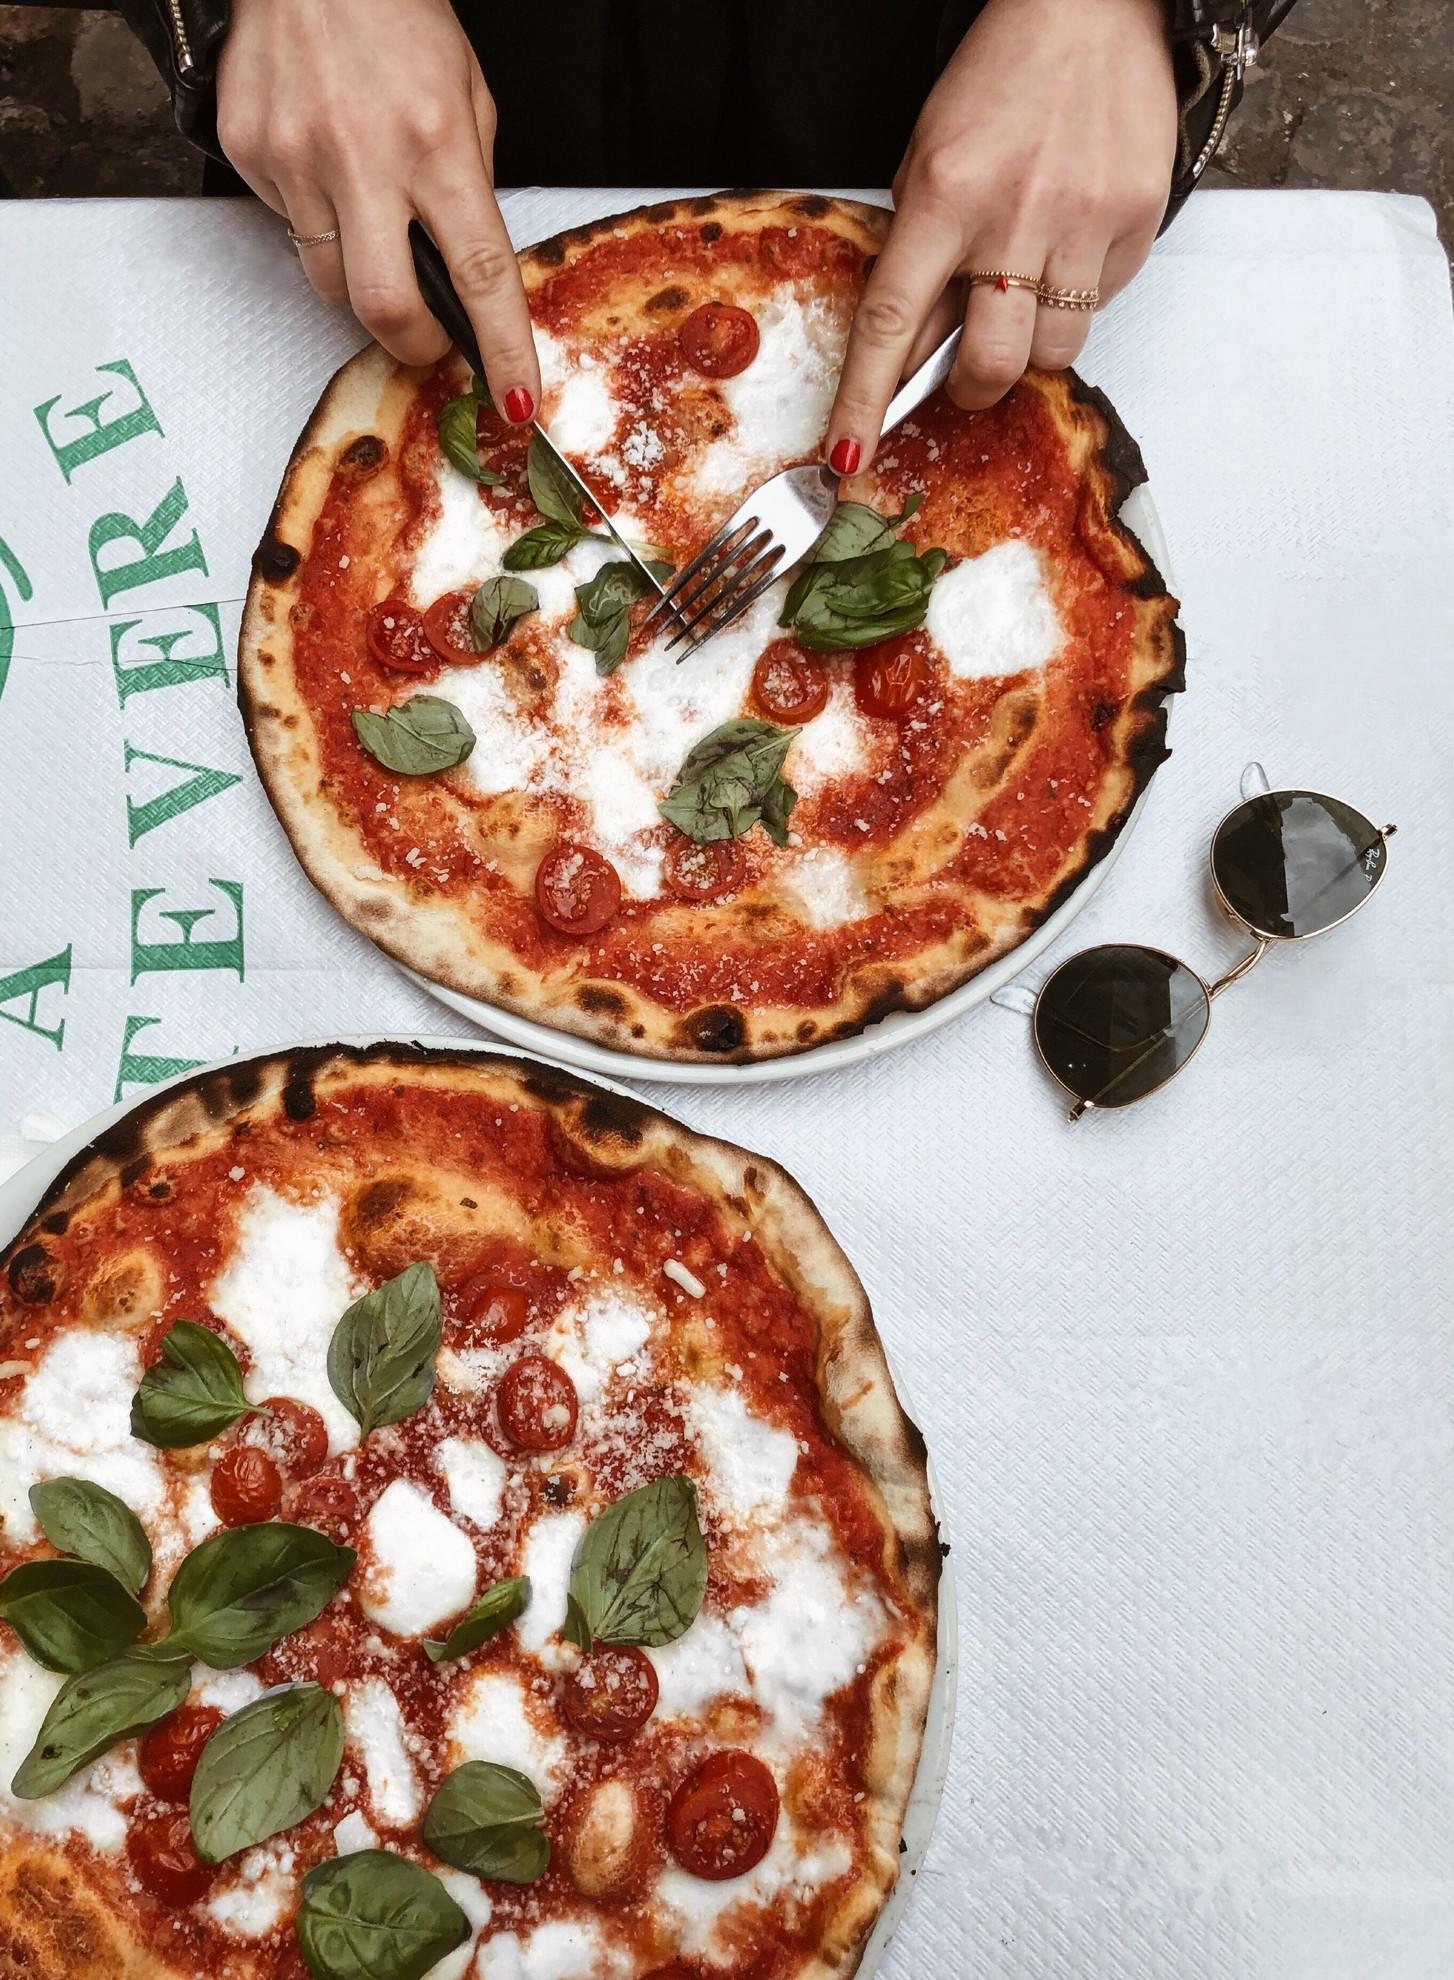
x,y
265,1768
546,544
640,1572
94,1710
552,490
732,780
853,530
86,1520
496,606
421,736
457,437
236,1594
381,1356
603,613
577,1625
194,1392
487,1819
495,1610
70,1615
375,1916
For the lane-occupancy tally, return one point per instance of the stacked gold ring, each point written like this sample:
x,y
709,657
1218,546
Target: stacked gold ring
x,y
1044,292
313,240
1068,298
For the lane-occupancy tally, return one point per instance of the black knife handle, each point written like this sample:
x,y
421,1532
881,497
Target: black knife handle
x,y
438,292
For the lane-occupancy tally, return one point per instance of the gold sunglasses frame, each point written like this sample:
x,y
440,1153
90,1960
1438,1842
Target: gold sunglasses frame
x,y
1213,990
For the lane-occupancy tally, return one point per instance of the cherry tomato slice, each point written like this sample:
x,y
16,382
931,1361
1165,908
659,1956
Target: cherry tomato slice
x,y
722,1817
395,639
447,629
165,1863
577,889
167,1758
889,679
704,873
537,1405
293,1434
612,1693
787,686
246,1486
719,339
329,1504
493,1312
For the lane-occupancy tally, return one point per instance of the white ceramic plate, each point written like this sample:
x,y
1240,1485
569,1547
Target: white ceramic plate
x,y
898,1028
20,1193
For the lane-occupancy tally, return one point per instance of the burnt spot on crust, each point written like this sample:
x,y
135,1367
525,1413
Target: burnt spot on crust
x,y
377,1202
671,298
704,203
554,1088
1123,458
602,1003
57,1223
807,1031
812,206
710,230
552,253
364,456
1104,712
153,1190
610,1118
300,1103
275,561
35,1275
715,1028
891,997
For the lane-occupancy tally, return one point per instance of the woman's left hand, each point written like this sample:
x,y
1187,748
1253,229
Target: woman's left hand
x,y
1046,149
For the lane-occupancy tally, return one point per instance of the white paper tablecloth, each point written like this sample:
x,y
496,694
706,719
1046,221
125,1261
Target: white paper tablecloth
x,y
1187,1372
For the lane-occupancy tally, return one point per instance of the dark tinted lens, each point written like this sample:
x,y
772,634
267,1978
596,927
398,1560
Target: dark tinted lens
x,y
1294,863
1113,1024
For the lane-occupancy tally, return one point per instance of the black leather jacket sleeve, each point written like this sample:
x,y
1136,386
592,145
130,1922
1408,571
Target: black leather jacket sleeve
x,y
1213,41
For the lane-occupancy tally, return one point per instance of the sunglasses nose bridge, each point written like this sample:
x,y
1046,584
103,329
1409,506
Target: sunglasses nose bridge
x,y
1239,970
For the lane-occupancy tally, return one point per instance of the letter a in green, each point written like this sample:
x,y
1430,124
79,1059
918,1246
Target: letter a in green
x,y
29,983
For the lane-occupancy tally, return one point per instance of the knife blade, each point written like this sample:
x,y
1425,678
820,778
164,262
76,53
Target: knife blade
x,y
584,489
437,288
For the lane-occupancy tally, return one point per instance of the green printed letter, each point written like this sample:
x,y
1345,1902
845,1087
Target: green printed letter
x,y
153,662
125,574
201,785
142,1068
29,983
183,952
97,435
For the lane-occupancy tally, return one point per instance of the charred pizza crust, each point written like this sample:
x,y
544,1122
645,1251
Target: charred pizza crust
x,y
52,1925
435,933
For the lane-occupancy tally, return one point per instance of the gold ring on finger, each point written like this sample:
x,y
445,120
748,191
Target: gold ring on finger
x,y
1054,298
313,240
1002,279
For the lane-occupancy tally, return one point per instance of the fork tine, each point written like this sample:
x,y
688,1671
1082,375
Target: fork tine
x,y
718,579
748,584
710,550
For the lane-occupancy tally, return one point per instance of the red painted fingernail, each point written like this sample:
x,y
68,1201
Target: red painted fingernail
x,y
518,405
844,457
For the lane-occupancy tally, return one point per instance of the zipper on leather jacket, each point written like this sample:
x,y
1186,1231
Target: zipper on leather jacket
x,y
1238,48
181,46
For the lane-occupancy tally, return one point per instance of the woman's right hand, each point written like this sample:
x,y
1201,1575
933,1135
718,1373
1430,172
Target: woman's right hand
x,y
360,114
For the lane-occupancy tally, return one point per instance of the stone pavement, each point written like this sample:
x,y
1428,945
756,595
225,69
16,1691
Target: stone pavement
x,y
1353,93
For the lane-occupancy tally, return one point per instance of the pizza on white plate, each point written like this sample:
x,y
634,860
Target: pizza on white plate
x,y
879,780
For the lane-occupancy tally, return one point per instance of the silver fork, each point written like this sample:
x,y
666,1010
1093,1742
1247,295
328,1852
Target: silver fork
x,y
776,526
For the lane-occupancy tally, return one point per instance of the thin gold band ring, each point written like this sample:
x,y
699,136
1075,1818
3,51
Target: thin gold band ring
x,y
1054,298
1002,279
313,240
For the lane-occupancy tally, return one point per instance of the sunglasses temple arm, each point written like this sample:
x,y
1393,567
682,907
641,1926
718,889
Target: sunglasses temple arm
x,y
1247,963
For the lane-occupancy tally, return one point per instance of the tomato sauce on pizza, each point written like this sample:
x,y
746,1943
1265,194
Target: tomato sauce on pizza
x,y
526,1519
919,785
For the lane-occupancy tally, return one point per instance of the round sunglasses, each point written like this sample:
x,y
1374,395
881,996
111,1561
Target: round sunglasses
x,y
1114,1024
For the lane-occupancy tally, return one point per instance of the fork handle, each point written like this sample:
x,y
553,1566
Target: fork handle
x,y
928,378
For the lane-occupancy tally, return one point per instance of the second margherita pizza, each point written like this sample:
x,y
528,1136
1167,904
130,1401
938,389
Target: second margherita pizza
x,y
453,1522
877,781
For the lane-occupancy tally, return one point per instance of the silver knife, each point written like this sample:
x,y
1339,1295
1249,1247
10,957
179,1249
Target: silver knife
x,y
584,489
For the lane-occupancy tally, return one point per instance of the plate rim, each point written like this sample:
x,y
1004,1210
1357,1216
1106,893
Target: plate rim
x,y
1140,515
21,1192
